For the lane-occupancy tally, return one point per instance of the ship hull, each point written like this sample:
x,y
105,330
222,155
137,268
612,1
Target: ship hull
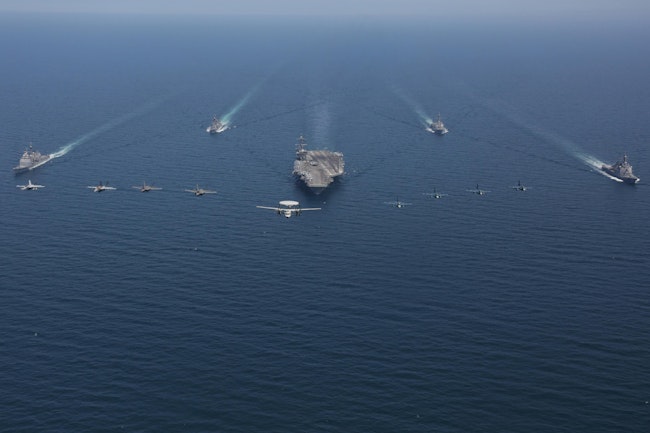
x,y
437,131
626,179
217,130
18,170
317,189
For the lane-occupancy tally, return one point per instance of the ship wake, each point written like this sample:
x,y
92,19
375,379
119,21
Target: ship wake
x,y
321,120
227,118
423,117
106,127
570,147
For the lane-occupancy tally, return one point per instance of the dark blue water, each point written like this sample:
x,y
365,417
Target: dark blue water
x,y
512,312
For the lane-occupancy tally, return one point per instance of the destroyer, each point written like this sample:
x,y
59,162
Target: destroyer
x,y
30,160
438,127
317,168
621,170
217,126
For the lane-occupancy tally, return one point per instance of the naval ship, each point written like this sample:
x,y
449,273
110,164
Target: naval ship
x,y
217,126
30,160
621,170
438,127
317,168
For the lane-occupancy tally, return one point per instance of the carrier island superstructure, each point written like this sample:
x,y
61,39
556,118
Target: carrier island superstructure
x,y
317,168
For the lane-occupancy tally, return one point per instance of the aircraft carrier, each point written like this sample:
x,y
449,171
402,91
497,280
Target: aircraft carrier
x,y
317,168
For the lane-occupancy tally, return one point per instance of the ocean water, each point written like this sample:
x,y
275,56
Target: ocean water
x,y
511,312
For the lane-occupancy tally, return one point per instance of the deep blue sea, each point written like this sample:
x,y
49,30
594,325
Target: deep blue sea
x,y
165,312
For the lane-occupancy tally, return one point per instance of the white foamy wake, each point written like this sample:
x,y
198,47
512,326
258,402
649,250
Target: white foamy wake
x,y
226,118
424,118
106,127
550,136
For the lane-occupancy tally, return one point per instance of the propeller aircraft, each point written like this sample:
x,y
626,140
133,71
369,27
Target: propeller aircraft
x,y
30,186
146,188
288,208
200,191
101,187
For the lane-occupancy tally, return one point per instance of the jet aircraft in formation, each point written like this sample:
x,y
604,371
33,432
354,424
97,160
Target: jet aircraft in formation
x,y
200,191
478,191
146,188
519,187
398,204
434,194
30,186
101,187
288,208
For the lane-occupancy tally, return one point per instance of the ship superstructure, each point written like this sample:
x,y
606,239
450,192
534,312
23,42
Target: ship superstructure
x,y
621,170
217,126
438,127
317,168
30,160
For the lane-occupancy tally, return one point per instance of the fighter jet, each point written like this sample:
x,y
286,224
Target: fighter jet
x,y
146,188
398,204
30,186
200,191
101,187
519,187
478,191
434,194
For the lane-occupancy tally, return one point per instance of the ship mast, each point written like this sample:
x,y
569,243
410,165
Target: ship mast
x,y
300,146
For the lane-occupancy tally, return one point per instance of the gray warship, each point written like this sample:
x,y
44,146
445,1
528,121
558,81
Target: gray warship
x,y
621,170
438,127
30,160
317,168
217,126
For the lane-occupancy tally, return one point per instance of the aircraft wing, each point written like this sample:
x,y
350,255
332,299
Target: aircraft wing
x,y
308,208
271,208
109,187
